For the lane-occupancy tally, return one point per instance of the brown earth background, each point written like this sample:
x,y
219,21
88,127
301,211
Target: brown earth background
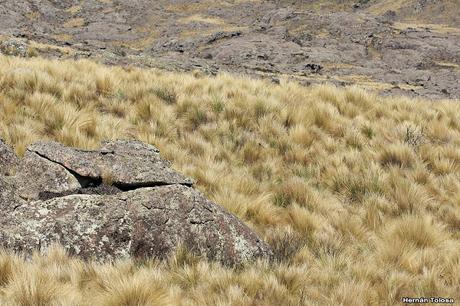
x,y
395,47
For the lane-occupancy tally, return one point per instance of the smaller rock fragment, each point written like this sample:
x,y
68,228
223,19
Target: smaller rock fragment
x,y
36,175
8,159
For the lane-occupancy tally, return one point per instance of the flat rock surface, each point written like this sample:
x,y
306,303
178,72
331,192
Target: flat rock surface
x,y
411,49
8,159
58,195
9,200
36,175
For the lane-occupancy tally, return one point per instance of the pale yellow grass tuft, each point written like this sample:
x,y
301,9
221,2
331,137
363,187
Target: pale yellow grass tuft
x,y
74,23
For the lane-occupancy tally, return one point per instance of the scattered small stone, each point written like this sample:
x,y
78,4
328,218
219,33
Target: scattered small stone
x,y
314,68
275,80
14,47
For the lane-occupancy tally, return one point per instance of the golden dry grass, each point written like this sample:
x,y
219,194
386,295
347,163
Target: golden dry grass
x,y
202,19
74,9
74,23
358,194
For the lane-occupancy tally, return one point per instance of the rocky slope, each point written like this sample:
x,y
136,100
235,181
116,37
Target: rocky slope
x,y
390,46
122,201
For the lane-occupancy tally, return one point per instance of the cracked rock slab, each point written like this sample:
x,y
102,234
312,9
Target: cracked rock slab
x,y
127,164
143,223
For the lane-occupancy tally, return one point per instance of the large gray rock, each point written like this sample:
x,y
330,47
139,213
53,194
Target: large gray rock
x,y
147,222
58,196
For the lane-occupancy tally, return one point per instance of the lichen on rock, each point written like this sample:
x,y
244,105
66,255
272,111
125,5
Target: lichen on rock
x,y
58,195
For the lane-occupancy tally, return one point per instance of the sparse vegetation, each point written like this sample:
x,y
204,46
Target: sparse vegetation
x,y
360,206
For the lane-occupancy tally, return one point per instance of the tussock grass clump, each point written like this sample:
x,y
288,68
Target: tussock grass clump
x,y
357,194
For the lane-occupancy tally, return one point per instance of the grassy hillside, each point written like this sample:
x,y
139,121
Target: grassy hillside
x,y
359,195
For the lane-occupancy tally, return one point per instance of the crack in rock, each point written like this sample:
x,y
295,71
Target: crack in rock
x,y
133,186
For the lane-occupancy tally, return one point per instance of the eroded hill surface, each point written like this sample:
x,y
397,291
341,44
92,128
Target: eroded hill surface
x,y
410,47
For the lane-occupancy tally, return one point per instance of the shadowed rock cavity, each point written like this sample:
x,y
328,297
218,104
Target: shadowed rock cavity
x,y
121,201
